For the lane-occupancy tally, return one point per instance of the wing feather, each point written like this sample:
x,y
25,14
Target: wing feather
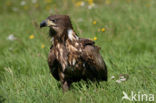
x,y
91,56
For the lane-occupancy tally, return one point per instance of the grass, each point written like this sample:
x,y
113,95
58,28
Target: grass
x,y
127,46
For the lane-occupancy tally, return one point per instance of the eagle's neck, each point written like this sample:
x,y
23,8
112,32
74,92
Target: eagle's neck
x,y
69,35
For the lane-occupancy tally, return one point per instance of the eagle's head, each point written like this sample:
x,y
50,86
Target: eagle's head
x,y
58,24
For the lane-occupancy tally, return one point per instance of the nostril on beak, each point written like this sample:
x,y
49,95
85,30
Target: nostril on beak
x,y
43,24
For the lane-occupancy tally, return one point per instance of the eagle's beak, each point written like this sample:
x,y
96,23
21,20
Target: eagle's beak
x,y
47,23
43,24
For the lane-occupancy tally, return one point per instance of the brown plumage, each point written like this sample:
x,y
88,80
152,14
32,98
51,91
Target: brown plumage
x,y
72,58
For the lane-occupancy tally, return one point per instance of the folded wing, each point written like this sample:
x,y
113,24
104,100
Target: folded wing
x,y
93,60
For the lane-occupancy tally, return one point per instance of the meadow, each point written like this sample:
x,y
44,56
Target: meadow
x,y
124,29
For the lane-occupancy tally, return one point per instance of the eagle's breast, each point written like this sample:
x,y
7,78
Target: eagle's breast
x,y
68,55
61,55
74,49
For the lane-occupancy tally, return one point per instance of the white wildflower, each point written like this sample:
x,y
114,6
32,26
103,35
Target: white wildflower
x,y
10,48
91,6
34,1
11,37
113,77
83,4
23,3
15,9
118,81
122,79
80,20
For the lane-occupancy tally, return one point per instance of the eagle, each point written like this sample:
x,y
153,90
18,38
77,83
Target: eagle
x,y
72,58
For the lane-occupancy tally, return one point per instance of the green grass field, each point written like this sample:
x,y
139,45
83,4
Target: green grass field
x,y
128,46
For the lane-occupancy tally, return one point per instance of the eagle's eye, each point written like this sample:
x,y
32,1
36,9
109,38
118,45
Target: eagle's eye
x,y
53,20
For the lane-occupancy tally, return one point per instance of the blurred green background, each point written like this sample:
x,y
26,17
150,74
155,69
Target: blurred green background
x,y
124,29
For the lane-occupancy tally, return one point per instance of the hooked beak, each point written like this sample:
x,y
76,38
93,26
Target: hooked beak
x,y
47,22
43,24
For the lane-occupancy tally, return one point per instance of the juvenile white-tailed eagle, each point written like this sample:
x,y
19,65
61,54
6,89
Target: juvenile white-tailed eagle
x,y
72,58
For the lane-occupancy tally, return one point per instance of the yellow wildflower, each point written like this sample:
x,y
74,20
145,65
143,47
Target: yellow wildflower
x,y
95,38
94,22
148,5
31,36
36,5
79,3
48,1
8,3
47,7
42,46
107,2
103,29
25,7
90,2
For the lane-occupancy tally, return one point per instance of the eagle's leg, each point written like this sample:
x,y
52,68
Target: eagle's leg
x,y
64,83
65,86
